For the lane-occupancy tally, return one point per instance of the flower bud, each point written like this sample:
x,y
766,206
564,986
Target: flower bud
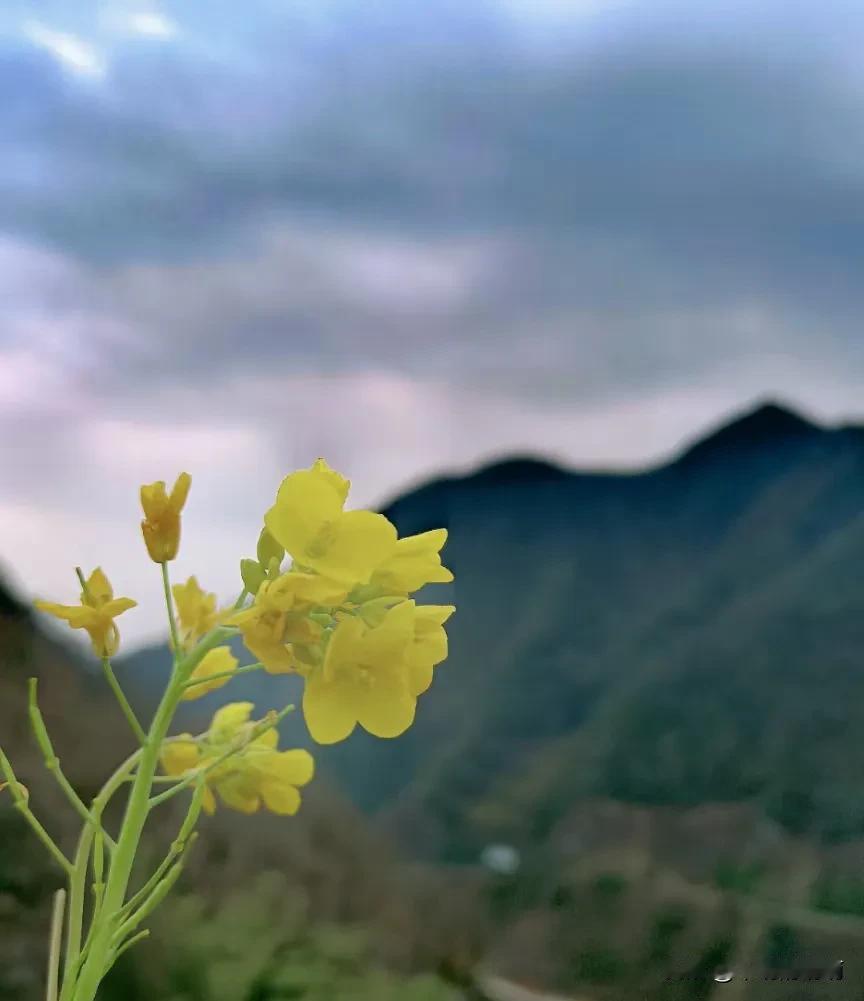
x,y
161,524
252,574
269,549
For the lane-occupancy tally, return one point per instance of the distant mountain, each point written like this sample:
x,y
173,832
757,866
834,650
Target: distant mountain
x,y
681,635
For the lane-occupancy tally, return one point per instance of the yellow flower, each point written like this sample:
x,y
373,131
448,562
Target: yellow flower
x,y
278,618
196,611
364,679
430,645
161,524
415,561
309,521
95,614
215,662
258,774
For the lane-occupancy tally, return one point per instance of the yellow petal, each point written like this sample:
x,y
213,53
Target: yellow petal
x,y
208,802
280,799
386,715
420,675
390,640
305,504
78,616
180,492
216,661
99,590
180,755
433,614
267,740
329,712
337,480
313,589
345,641
276,657
430,645
296,767
154,499
362,541
237,794
117,607
228,720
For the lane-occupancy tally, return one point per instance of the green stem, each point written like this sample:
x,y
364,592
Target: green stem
x,y
157,888
123,702
52,762
55,945
172,620
77,886
129,943
138,807
74,952
248,669
22,806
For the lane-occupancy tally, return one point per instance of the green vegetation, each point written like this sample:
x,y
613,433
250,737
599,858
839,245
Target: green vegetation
x,y
742,877
840,895
259,945
781,947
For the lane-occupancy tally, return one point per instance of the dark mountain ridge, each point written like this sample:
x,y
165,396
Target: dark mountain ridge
x,y
683,634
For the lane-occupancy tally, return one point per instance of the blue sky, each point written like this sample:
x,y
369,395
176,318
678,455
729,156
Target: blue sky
x,y
407,236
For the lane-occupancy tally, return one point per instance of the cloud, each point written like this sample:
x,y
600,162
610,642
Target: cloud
x,y
405,236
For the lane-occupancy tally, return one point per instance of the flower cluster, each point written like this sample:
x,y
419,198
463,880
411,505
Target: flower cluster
x,y
341,615
258,774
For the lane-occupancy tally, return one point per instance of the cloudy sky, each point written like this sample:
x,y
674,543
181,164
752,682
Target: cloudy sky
x,y
407,236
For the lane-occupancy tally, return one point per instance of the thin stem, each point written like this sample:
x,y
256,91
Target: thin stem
x,y
25,811
144,933
123,702
52,762
272,719
184,838
77,883
248,669
55,946
73,962
100,944
169,604
243,595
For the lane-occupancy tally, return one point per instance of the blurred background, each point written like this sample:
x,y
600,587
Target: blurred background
x,y
579,280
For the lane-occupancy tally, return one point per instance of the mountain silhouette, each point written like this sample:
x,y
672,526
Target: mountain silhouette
x,y
684,634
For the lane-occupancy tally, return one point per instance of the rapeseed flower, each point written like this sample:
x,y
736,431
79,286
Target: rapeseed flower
x,y
309,521
258,774
415,561
196,611
364,678
278,618
429,646
161,524
96,613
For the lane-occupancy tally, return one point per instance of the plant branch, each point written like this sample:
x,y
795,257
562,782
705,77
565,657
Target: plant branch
x,y
52,762
123,702
248,669
55,946
23,807
172,618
